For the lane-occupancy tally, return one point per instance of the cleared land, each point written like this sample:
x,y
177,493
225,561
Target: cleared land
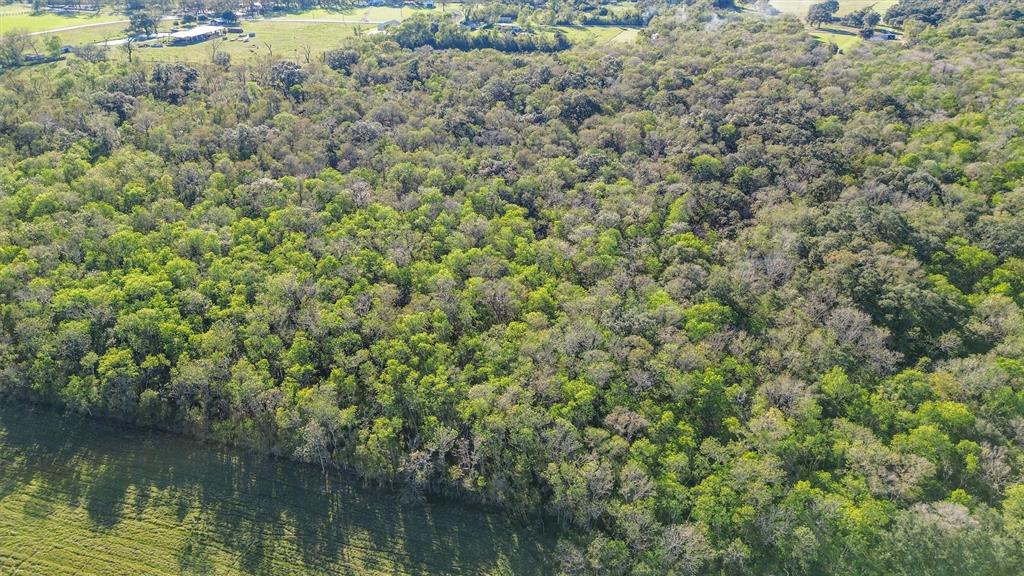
x,y
843,37
799,7
288,39
364,14
292,35
19,17
627,35
585,35
81,497
89,35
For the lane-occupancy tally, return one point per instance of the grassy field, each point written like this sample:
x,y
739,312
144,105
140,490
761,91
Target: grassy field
x,y
366,14
20,17
627,35
90,35
81,497
288,39
843,37
285,34
597,35
799,7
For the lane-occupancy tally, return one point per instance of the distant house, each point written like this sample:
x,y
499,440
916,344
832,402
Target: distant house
x,y
509,27
387,24
506,19
196,35
884,35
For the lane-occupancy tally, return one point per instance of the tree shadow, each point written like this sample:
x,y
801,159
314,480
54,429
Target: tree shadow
x,y
261,515
837,31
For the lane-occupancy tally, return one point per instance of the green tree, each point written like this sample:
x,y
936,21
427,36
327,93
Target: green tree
x,y
822,12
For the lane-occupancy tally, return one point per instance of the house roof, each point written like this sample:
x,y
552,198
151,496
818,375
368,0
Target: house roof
x,y
198,31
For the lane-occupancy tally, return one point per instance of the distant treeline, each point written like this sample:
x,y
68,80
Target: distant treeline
x,y
938,11
424,31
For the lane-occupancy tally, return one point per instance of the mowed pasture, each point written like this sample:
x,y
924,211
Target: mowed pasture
x,y
844,38
93,498
799,7
597,35
19,17
365,14
88,35
293,35
293,40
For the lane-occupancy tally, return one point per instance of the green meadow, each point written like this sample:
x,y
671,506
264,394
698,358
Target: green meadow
x,y
95,498
799,7
19,17
597,35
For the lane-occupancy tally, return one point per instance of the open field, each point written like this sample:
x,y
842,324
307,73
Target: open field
x,y
286,34
799,7
627,35
586,35
89,35
288,39
20,17
86,497
285,38
843,37
363,14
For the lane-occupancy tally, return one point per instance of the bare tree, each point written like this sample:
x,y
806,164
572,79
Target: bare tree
x,y
129,48
214,47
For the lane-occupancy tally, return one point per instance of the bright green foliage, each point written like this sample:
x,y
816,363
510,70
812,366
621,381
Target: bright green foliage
x,y
724,303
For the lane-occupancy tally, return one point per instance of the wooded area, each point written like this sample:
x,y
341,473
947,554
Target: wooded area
x,y
720,302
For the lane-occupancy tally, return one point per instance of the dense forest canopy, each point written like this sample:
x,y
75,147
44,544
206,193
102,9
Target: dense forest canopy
x,y
720,302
